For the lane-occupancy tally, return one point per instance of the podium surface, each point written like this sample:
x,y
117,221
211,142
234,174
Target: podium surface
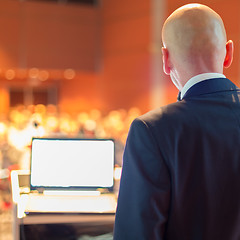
x,y
20,197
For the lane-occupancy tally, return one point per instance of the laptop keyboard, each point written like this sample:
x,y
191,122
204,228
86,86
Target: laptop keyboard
x,y
104,203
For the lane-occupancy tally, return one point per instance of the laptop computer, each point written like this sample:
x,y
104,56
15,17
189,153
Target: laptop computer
x,y
71,175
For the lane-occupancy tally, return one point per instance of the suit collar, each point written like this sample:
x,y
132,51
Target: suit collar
x,y
210,86
199,78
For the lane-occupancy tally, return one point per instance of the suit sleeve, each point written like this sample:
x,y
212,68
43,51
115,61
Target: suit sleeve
x,y
143,202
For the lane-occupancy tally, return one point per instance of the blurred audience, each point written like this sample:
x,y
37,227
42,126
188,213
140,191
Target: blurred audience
x,y
23,123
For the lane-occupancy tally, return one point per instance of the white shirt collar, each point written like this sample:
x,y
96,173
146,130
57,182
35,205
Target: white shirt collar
x,y
199,78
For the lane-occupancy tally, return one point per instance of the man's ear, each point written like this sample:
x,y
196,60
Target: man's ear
x,y
229,54
165,58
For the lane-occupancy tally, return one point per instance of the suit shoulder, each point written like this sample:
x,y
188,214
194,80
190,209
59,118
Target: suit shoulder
x,y
166,113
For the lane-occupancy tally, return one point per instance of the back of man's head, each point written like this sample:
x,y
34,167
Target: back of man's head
x,y
195,38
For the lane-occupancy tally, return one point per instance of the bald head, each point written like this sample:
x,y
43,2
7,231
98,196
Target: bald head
x,y
195,39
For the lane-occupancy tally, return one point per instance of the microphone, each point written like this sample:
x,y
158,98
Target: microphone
x,y
179,97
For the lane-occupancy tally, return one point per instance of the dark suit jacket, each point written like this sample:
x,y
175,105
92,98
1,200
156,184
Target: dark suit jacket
x,y
181,169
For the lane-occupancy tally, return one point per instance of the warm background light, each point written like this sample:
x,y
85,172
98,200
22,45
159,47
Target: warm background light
x,y
84,71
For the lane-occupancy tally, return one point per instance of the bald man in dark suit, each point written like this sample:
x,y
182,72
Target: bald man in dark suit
x,y
181,165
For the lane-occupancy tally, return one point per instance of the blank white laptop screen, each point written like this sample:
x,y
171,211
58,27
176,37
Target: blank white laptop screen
x,y
72,163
